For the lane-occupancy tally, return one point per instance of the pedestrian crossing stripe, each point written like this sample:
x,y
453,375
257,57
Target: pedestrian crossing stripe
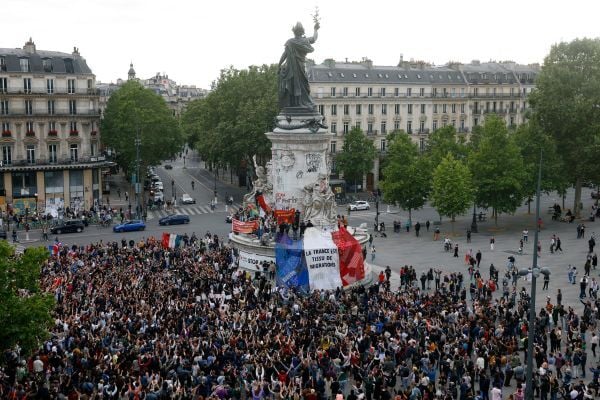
x,y
193,210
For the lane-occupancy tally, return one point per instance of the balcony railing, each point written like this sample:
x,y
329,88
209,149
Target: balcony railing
x,y
496,95
45,92
54,161
58,114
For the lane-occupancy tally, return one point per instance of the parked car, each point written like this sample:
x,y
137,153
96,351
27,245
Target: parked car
x,y
168,166
359,205
69,226
3,234
187,199
158,186
128,226
174,219
595,195
158,197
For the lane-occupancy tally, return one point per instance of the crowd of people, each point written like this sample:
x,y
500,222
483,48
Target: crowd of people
x,y
139,321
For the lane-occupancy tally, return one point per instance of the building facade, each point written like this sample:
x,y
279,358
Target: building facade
x,y
50,145
176,96
417,98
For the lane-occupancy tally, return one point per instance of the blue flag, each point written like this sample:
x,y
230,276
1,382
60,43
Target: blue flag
x,y
291,270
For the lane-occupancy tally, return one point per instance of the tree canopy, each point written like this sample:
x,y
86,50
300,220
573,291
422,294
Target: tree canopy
x,y
134,110
229,124
357,156
406,175
531,140
566,105
497,169
443,141
24,310
452,188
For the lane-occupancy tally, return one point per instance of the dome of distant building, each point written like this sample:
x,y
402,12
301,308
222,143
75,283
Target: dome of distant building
x,y
131,73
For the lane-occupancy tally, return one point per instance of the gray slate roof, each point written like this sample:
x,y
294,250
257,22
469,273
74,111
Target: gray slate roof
x,y
359,73
60,61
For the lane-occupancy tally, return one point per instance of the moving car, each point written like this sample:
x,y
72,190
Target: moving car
x,y
229,218
168,166
69,226
128,226
359,205
187,199
174,219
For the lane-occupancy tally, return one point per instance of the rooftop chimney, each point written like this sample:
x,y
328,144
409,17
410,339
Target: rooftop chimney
x,y
75,51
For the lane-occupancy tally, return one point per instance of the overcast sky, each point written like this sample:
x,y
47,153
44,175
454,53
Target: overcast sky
x,y
192,40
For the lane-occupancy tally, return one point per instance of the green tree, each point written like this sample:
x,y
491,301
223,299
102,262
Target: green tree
x,y
357,156
134,110
497,169
531,139
452,188
566,104
444,141
406,175
24,310
228,126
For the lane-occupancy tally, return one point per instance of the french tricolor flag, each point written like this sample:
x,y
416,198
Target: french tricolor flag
x,y
319,261
170,240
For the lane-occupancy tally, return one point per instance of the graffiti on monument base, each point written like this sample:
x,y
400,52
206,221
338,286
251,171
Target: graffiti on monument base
x,y
282,201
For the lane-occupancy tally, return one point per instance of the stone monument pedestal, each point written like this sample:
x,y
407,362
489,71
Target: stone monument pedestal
x,y
297,177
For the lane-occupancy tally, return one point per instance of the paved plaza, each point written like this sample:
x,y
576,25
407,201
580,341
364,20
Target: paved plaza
x,y
399,249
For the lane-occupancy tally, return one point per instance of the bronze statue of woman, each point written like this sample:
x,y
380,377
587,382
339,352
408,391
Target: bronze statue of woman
x,y
294,90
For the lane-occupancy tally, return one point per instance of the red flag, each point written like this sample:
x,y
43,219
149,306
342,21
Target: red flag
x,y
244,227
352,266
263,204
286,216
165,240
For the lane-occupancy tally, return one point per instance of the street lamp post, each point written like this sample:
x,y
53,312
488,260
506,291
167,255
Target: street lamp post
x,y
474,222
138,206
215,187
173,190
376,213
534,273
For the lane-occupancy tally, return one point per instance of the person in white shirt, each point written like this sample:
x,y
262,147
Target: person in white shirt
x,y
38,365
594,341
496,393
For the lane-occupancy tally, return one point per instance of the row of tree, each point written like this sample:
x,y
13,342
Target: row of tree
x,y
495,169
